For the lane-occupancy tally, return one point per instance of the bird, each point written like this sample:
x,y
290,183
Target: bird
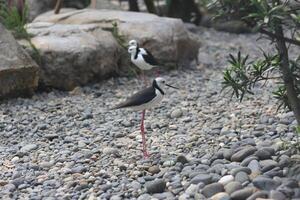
x,y
142,58
144,100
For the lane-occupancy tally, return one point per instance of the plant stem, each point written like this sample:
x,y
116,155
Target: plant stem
x,y
281,37
286,73
58,6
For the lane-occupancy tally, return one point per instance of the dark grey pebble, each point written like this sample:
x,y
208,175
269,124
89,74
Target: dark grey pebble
x,y
242,194
204,178
233,186
211,189
264,183
258,194
156,186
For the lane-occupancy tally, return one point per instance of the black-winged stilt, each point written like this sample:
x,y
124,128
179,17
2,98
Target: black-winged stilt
x,y
146,99
141,57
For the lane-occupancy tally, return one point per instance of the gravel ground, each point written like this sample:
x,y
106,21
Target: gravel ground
x,y
70,145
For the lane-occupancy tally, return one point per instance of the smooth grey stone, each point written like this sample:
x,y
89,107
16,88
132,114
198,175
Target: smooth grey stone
x,y
164,195
274,172
18,181
263,154
276,195
242,194
264,183
254,166
240,169
284,161
27,148
79,169
233,186
243,153
247,160
211,189
204,178
156,186
241,177
182,159
258,194
144,197
9,187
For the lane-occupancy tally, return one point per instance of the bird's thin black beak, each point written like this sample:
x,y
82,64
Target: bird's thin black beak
x,y
172,86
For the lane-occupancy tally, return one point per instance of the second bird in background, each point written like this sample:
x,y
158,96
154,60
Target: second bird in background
x,y
142,58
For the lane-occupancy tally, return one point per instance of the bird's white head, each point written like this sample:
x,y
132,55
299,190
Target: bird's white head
x,y
132,50
160,83
132,43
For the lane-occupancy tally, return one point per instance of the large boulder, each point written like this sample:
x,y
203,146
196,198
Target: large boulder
x,y
18,72
78,45
72,55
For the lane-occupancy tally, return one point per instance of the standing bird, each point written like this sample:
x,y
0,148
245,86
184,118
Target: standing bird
x,y
141,57
146,99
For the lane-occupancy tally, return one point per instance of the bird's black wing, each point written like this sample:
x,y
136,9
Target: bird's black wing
x,y
149,58
138,98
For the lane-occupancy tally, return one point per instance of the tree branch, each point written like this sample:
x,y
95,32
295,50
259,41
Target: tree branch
x,y
273,35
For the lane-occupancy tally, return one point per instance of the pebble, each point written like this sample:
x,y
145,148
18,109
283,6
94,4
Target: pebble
x,y
154,169
243,153
226,179
220,196
176,113
156,186
265,183
233,186
204,178
28,147
242,194
211,189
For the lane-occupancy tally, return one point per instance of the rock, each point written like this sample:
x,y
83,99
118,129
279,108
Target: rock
x,y
156,186
220,196
61,38
263,154
264,183
18,72
192,189
233,186
92,56
182,159
154,169
176,113
227,153
29,147
241,177
9,187
240,169
204,178
258,194
243,153
242,194
226,179
277,195
211,189
254,166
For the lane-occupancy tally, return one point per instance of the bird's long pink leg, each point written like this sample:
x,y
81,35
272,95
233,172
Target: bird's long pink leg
x,y
146,155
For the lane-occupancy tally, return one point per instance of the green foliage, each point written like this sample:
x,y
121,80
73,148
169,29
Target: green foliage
x,y
119,37
14,20
241,76
272,18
